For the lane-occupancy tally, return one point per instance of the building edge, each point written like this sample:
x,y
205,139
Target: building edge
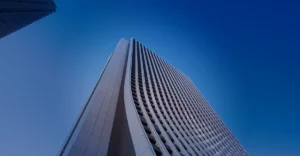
x,y
139,138
85,107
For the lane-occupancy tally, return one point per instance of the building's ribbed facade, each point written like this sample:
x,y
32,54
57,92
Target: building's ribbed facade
x,y
15,14
158,111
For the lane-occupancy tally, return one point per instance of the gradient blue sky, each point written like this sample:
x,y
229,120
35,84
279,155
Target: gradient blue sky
x,y
244,56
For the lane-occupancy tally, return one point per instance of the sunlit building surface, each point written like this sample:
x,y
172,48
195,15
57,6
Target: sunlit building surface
x,y
16,14
142,105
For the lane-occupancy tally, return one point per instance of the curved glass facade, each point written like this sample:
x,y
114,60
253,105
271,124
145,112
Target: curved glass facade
x,y
174,114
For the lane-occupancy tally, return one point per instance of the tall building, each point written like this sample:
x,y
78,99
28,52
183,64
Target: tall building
x,y
142,105
15,14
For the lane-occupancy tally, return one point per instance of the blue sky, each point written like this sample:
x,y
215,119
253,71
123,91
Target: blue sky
x,y
242,55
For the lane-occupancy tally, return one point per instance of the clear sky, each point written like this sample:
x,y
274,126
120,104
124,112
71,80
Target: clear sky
x,y
244,56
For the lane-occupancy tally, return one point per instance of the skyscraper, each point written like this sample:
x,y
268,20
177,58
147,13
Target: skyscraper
x,y
15,14
142,105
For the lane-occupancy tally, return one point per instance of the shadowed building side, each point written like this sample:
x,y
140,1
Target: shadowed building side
x,y
16,14
120,141
102,122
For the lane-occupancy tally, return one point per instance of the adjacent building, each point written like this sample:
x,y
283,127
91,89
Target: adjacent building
x,y
15,14
142,105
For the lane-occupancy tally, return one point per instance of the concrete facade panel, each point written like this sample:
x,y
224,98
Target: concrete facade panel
x,y
95,124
